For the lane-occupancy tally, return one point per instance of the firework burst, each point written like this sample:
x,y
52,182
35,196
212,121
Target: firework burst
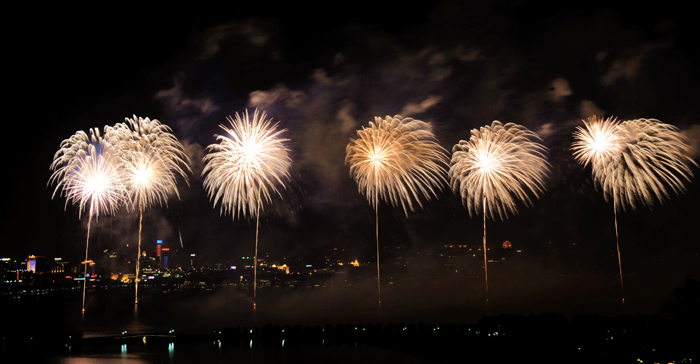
x,y
499,166
598,142
635,161
243,169
652,161
398,160
151,159
85,173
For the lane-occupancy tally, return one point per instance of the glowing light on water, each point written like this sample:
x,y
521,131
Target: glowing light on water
x,y
242,171
497,168
399,160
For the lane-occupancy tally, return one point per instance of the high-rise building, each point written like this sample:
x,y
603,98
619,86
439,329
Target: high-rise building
x,y
31,263
162,254
159,248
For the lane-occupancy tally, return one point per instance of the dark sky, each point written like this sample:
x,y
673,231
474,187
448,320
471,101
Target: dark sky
x,y
324,73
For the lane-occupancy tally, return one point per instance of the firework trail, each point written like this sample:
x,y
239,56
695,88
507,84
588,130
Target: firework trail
x,y
399,160
635,161
243,169
499,166
151,158
85,173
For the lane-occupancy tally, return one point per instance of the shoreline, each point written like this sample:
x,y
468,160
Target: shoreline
x,y
506,337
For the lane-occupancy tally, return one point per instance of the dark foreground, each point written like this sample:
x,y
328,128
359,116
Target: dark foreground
x,y
193,326
503,338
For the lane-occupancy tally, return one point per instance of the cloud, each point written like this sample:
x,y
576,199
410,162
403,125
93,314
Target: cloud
x,y
693,135
546,130
280,93
467,54
348,124
624,68
560,89
248,34
321,77
188,111
195,153
628,65
417,108
589,108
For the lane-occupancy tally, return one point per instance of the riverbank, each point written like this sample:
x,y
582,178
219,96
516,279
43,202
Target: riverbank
x,y
502,338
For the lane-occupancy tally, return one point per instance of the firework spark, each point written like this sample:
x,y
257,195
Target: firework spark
x,y
151,158
243,169
85,173
652,158
399,160
635,161
598,142
499,166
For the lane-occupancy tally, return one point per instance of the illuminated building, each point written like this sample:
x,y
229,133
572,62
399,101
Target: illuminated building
x,y
58,266
159,249
166,255
91,268
283,268
128,277
31,263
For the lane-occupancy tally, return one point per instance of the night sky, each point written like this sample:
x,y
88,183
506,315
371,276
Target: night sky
x,y
323,73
